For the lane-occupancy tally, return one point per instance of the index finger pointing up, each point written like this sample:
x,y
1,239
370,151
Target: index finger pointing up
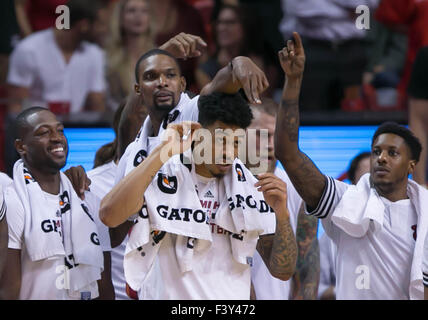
x,y
298,41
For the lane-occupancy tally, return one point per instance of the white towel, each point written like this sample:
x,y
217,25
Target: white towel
x,y
361,205
172,205
80,238
139,146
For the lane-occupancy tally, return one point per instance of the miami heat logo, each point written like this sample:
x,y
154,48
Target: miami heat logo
x,y
64,202
139,157
240,172
167,184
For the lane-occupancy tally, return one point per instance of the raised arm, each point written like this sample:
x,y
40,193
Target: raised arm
x,y
126,198
305,176
243,73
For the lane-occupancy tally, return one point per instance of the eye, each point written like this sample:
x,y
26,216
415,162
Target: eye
x,y
393,153
149,76
376,152
170,75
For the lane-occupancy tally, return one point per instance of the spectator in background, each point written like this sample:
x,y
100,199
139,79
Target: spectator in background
x,y
173,17
386,54
360,165
59,68
132,34
418,110
335,51
128,119
410,16
37,15
237,32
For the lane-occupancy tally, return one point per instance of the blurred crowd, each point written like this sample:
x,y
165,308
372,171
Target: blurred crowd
x,y
90,67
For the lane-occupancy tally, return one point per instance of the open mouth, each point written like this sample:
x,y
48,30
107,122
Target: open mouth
x,y
58,151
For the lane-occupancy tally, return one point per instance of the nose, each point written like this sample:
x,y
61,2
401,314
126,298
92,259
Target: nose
x,y
162,81
382,157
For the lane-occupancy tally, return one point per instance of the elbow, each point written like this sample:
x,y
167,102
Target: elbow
x,y
284,275
106,217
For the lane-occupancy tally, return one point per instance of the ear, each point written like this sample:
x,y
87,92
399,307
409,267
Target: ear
x,y
182,84
20,147
412,165
137,89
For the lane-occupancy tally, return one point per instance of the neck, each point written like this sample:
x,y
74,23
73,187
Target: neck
x,y
202,171
392,193
48,181
67,40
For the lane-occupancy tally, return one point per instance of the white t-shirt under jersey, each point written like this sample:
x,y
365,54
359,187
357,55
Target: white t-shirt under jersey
x,y
102,181
265,285
215,274
376,266
42,280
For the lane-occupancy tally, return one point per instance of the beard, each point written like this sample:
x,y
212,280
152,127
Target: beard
x,y
164,107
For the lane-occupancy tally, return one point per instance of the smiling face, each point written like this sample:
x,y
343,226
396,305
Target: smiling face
x,y
160,83
43,145
229,29
390,162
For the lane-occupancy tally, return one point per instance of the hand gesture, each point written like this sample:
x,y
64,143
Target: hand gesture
x,y
178,138
274,191
292,57
184,45
79,180
251,77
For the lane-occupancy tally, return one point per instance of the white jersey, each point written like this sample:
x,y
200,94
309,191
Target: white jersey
x,y
265,285
102,181
376,266
38,64
327,264
189,112
215,274
5,180
43,279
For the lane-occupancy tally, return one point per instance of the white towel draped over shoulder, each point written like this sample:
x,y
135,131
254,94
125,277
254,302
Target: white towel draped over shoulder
x,y
361,206
80,241
172,206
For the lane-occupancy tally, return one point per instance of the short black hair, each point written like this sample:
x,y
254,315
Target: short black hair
x,y
150,53
230,109
21,121
355,163
83,9
411,140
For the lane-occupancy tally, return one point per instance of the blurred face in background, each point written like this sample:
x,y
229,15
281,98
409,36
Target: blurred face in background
x,y
135,18
362,168
100,27
267,122
229,28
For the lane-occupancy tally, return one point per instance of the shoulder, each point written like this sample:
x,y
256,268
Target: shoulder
x,y
108,169
5,180
33,41
12,201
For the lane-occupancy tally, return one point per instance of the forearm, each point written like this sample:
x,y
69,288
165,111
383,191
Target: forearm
x,y
126,198
284,249
105,285
307,274
223,81
301,170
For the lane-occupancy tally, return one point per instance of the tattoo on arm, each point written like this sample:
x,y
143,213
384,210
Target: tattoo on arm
x,y
305,176
306,278
279,251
